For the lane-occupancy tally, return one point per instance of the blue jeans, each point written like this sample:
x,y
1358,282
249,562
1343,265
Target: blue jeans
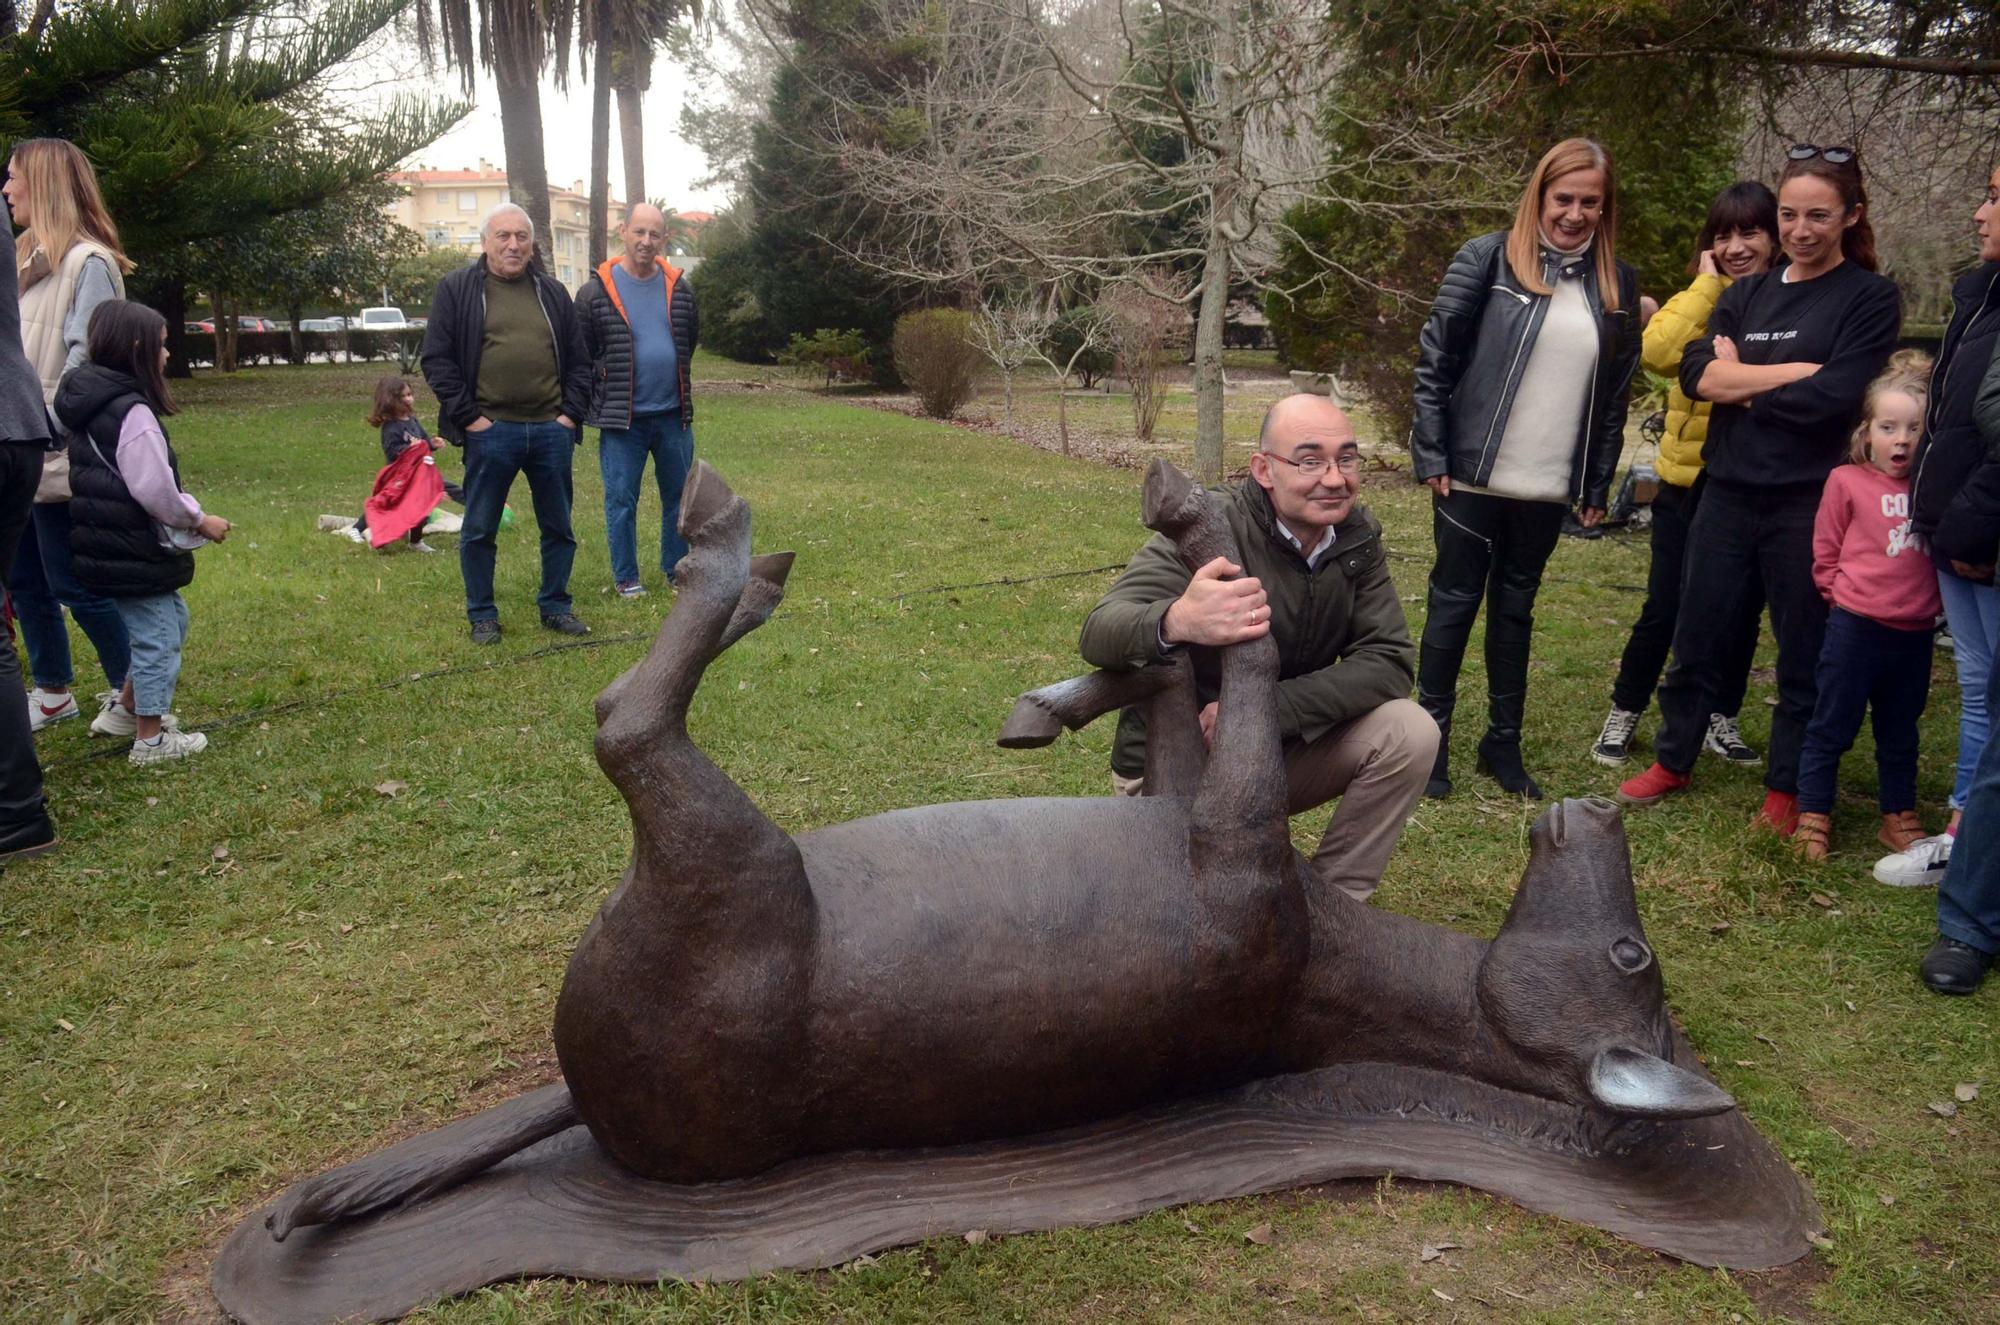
x,y
542,451
621,454
1973,612
1865,665
158,627
43,582
1968,905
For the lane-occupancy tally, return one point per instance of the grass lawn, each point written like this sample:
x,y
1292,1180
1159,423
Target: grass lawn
x,y
239,971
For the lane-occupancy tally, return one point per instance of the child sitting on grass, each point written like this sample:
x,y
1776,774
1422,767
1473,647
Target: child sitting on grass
x,y
395,413
1882,586
133,529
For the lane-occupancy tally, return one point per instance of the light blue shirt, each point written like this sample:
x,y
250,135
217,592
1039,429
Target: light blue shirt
x,y
656,380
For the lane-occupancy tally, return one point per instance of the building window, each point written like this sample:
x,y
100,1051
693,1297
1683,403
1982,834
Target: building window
x,y
468,200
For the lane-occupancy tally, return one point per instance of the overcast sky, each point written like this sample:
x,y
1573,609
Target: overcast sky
x,y
670,163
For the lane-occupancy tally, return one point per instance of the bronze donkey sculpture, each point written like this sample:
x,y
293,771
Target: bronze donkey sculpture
x,y
894,1011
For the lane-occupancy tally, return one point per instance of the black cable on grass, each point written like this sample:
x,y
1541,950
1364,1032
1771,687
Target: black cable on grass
x,y
994,584
225,721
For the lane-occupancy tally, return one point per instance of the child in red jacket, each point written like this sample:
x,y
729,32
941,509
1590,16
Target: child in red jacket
x,y
1881,585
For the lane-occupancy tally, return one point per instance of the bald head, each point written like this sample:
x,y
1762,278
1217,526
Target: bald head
x,y
645,236
1302,412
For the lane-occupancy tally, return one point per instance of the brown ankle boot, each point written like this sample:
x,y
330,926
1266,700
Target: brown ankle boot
x,y
1810,835
1900,829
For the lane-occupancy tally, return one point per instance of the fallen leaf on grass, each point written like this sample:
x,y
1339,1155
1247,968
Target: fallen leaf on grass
x,y
1965,1092
1821,899
1443,1296
976,1236
64,1022
1820,1240
1431,1253
1886,1198
1944,1109
1719,927
221,852
392,788
152,800
1261,1235
347,929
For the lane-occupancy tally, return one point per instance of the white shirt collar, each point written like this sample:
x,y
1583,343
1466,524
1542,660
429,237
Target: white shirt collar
x,y
1319,549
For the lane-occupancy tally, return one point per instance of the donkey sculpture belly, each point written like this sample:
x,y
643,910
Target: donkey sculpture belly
x,y
750,1014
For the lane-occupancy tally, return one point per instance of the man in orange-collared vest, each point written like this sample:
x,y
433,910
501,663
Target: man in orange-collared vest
x,y
638,316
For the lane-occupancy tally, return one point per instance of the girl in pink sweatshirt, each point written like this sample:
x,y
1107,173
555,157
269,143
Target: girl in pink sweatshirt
x,y
1881,588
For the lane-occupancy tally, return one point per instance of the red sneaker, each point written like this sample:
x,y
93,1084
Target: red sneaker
x,y
1780,813
1652,786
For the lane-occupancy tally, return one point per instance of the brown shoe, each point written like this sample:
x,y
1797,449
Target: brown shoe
x,y
1810,835
1900,830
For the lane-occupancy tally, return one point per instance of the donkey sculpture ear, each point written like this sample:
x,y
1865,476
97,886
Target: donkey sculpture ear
x,y
1640,1085
1579,875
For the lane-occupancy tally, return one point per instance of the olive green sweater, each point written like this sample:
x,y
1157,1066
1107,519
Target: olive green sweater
x,y
1343,646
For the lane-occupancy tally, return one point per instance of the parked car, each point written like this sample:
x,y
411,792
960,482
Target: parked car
x,y
198,328
244,322
384,319
323,324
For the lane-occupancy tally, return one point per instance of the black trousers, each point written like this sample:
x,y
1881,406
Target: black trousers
x,y
21,806
1745,541
1491,548
1653,634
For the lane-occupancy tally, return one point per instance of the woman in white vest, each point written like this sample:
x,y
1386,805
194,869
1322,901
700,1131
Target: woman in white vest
x,y
68,261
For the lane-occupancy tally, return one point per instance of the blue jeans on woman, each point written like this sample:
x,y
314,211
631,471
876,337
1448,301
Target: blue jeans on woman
x,y
1865,665
42,583
1968,905
1973,612
544,452
621,454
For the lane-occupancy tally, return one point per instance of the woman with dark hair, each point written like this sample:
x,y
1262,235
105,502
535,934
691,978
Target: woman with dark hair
x,y
1788,358
1522,388
68,262
133,527
1740,238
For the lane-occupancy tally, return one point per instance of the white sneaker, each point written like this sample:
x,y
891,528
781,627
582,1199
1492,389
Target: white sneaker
x,y
421,546
114,719
173,744
46,708
353,535
1921,865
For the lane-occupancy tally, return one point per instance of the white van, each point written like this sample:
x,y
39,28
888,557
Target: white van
x,y
384,319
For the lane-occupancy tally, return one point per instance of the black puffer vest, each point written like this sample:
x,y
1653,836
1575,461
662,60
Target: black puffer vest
x,y
115,543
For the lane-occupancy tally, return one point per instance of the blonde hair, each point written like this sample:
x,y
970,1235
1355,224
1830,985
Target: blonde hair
x,y
1909,372
1524,238
64,202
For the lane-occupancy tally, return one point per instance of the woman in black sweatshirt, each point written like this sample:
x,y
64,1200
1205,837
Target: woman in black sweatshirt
x,y
1787,360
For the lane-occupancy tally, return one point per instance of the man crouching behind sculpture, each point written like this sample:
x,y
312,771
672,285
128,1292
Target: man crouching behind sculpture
x,y
1315,577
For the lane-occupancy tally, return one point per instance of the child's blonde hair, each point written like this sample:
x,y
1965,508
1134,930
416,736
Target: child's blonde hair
x,y
1909,372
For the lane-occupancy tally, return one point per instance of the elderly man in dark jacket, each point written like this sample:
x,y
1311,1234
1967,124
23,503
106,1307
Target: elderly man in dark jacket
x,y
1315,576
639,324
506,358
25,828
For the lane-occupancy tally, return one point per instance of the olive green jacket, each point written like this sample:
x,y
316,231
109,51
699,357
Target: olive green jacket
x,y
1343,646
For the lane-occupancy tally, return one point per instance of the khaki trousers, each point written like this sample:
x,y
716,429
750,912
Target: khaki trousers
x,y
1377,765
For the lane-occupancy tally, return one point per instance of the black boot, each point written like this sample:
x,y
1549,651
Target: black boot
x,y
1439,786
1500,759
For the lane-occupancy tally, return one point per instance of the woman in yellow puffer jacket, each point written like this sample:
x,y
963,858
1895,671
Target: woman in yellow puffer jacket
x,y
1740,238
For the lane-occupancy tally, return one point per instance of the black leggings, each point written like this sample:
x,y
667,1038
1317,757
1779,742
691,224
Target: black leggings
x,y
1491,548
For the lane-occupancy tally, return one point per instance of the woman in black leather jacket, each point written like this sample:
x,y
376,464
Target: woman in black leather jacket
x,y
1523,381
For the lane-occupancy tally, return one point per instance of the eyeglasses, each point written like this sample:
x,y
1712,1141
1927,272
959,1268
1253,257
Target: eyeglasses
x,y
1836,156
1313,466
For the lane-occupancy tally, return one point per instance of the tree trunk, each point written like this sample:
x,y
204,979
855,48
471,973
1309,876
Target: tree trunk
x,y
600,140
632,140
295,312
225,333
171,300
1222,229
516,69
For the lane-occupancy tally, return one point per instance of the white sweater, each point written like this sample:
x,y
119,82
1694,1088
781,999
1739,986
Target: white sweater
x,y
1539,445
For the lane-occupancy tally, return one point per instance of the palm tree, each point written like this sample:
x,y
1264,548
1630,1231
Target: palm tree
x,y
623,35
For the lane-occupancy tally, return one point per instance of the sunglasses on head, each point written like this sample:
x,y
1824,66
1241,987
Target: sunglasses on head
x,y
1838,156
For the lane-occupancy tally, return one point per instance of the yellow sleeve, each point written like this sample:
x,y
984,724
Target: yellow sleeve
x,y
1682,319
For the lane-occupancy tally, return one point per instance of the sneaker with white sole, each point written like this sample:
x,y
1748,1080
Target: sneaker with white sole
x,y
353,535
172,744
1614,742
46,708
114,719
1725,738
1922,865
421,546
630,589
